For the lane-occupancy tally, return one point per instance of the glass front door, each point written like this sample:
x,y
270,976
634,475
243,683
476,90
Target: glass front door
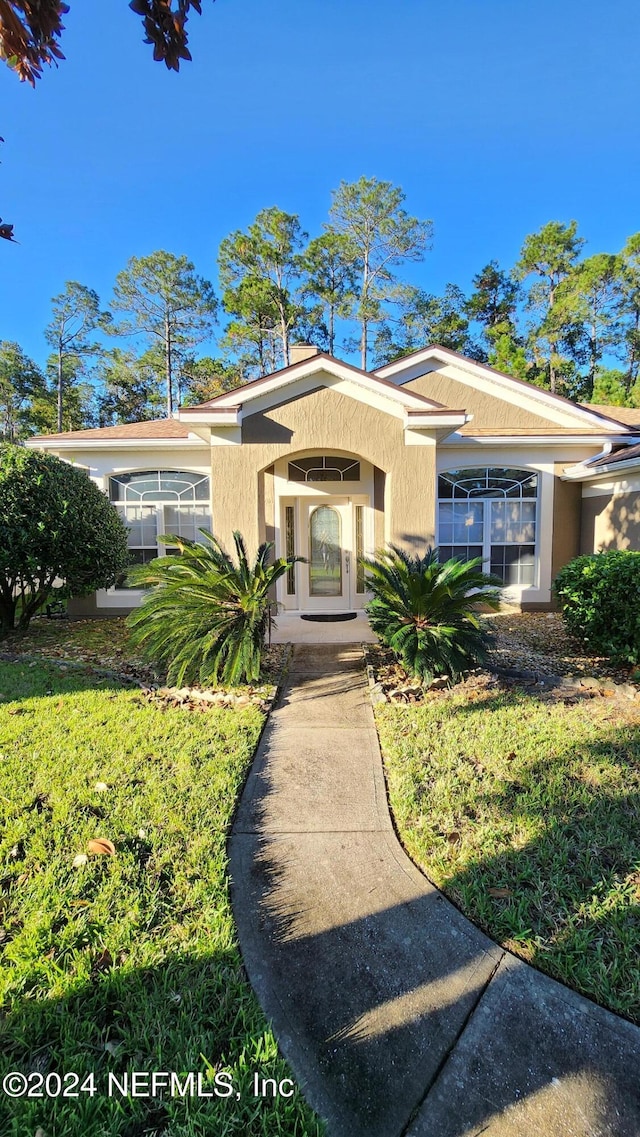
x,y
332,535
333,542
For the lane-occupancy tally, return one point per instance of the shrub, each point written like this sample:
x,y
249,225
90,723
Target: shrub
x,y
55,525
599,594
206,617
426,611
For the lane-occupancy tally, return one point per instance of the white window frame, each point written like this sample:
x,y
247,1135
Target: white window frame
x,y
134,595
508,589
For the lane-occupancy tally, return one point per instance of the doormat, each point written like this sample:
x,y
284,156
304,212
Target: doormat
x,y
329,617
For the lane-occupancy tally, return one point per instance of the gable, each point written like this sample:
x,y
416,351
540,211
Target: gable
x,y
489,411
328,418
530,408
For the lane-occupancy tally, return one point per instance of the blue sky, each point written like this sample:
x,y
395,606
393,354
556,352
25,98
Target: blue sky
x,y
493,116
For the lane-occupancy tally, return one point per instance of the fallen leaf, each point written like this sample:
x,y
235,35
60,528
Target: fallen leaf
x,y
453,837
500,893
102,962
101,846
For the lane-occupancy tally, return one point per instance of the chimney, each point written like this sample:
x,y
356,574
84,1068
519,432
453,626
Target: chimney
x,y
300,351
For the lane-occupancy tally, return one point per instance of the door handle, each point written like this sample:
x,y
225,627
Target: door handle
x,y
347,561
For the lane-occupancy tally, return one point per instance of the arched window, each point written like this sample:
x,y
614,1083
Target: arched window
x,y
490,512
155,502
324,468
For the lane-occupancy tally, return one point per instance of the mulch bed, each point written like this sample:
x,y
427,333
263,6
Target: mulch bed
x,y
529,649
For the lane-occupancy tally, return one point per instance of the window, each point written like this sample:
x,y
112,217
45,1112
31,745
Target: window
x,y
324,468
154,502
490,512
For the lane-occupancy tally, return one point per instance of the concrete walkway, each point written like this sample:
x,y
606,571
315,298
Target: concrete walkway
x,y
396,1014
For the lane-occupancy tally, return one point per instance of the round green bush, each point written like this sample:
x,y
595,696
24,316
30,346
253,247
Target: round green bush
x,y
600,598
56,528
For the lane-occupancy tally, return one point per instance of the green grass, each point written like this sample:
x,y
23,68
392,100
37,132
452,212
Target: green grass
x,y
527,814
128,961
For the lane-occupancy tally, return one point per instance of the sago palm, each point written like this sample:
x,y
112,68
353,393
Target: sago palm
x,y
206,614
426,612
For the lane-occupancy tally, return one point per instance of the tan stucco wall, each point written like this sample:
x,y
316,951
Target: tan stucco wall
x,y
565,540
611,522
487,410
324,418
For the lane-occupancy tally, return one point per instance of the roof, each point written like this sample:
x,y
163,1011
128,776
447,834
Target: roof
x,y
525,432
226,409
629,416
155,428
276,379
623,454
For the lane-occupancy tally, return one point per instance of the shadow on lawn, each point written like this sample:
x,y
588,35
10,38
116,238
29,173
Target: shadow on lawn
x,y
27,678
187,1014
588,845
400,1024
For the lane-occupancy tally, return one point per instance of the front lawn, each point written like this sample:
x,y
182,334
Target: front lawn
x,y
128,961
525,810
105,642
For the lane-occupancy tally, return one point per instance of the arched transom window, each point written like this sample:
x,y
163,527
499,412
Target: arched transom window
x,y
324,468
490,512
155,502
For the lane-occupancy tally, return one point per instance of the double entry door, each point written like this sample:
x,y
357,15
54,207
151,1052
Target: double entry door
x,y
331,537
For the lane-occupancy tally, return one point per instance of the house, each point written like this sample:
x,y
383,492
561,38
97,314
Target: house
x,y
331,462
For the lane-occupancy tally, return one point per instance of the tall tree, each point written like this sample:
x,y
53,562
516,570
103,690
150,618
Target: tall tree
x,y
586,312
130,388
79,408
76,316
610,388
330,283
630,306
494,302
381,235
252,333
205,378
259,272
165,302
426,319
21,382
550,255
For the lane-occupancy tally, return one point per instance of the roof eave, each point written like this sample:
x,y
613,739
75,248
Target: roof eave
x,y
193,441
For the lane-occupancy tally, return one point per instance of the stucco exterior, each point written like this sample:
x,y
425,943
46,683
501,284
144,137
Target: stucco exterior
x,y
400,427
489,411
610,520
344,426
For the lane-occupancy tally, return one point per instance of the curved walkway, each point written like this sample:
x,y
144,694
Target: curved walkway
x,y
396,1014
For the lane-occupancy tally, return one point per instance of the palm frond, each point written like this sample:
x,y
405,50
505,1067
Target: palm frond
x,y
205,616
426,611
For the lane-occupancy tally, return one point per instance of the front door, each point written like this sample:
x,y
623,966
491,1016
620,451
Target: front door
x,y
331,581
